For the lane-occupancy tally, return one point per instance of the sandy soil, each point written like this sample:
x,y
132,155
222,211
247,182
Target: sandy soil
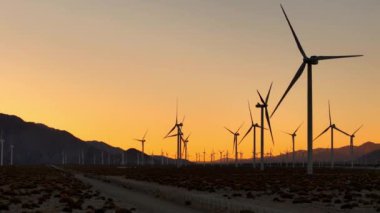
x,y
128,198
218,202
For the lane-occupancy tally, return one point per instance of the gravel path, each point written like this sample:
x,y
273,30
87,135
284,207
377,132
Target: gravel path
x,y
127,198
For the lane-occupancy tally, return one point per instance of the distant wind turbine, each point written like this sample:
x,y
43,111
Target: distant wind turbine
x,y
309,61
252,128
185,141
142,140
12,147
220,157
352,136
294,134
331,127
2,148
204,157
264,110
179,134
235,143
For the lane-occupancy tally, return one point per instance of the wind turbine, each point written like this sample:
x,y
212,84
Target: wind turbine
x,y
204,157
331,127
63,157
122,157
142,140
294,134
220,157
264,110
12,147
2,149
309,61
227,157
185,141
235,144
102,158
252,128
179,134
352,136
162,157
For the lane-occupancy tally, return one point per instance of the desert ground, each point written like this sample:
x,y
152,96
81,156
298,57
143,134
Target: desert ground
x,y
187,189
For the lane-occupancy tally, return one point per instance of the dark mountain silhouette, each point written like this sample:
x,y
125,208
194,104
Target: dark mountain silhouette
x,y
370,158
36,143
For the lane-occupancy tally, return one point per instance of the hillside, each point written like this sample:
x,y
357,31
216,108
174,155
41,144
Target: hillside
x,y
36,143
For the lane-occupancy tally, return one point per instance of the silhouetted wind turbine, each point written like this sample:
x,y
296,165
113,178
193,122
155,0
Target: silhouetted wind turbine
x,y
252,128
12,147
204,157
177,126
331,127
142,140
235,144
309,61
227,157
2,148
102,158
294,134
264,110
352,136
220,157
185,141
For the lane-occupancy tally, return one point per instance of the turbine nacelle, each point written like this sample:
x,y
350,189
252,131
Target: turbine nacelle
x,y
312,60
263,105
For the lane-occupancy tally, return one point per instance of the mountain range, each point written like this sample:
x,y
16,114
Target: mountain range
x,y
36,143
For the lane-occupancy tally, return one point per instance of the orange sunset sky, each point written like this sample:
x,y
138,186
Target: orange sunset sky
x,y
109,70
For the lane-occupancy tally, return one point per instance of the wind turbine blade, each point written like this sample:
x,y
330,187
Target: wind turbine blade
x,y
145,134
294,80
287,133
176,112
229,130
330,114
294,34
269,125
188,137
172,129
297,128
249,130
267,98
261,127
250,112
183,120
342,131
261,97
240,127
336,57
357,130
138,140
324,131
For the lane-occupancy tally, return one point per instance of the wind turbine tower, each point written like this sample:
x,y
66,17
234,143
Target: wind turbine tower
x,y
309,61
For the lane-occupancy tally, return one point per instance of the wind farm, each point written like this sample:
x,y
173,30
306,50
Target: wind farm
x,y
115,70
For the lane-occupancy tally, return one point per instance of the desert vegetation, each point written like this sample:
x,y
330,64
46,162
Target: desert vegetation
x,y
338,188
46,189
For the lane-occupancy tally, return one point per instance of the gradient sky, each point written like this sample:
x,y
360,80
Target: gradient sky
x,y
109,70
